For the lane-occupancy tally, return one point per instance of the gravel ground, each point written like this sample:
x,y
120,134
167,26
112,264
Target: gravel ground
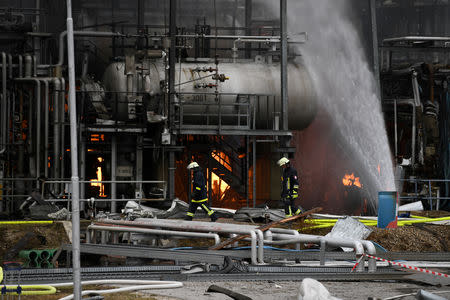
x,y
267,290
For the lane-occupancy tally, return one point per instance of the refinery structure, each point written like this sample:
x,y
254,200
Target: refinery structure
x,y
106,107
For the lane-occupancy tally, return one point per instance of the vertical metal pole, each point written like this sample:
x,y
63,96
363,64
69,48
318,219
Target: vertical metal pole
x,y
247,167
172,60
83,173
113,173
413,138
284,54
74,158
139,163
209,179
395,128
140,14
254,172
46,126
430,201
376,55
248,27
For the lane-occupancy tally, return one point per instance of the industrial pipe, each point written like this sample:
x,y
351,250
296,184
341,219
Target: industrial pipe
x,y
255,234
61,136
56,100
46,124
3,106
417,38
20,65
304,238
10,65
136,285
214,236
38,115
28,65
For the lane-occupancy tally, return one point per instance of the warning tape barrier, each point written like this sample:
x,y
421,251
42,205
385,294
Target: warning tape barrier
x,y
401,265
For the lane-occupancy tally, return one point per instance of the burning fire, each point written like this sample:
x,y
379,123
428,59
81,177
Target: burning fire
x,y
222,158
350,180
99,178
218,182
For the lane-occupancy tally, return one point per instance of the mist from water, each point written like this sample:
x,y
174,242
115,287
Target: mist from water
x,y
345,85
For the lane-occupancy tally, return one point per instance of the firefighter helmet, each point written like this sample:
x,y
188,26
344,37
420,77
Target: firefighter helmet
x,y
192,165
283,161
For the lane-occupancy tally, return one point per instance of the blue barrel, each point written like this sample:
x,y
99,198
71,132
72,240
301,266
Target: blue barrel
x,y
387,209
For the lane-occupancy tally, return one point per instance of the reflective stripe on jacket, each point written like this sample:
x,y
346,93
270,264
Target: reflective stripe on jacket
x,y
199,187
290,183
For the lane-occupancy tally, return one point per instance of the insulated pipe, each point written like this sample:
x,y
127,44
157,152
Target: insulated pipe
x,y
61,135
28,68
370,249
417,38
34,66
295,233
214,236
136,285
197,226
20,65
303,238
10,65
46,125
56,99
260,236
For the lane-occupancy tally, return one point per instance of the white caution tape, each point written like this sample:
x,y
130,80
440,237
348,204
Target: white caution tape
x,y
406,266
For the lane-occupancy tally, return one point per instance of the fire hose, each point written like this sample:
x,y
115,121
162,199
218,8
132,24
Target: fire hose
x,y
25,289
136,285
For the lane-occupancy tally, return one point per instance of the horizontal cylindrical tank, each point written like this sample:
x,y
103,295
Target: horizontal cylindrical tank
x,y
259,79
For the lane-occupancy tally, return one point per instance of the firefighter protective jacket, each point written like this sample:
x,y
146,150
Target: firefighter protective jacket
x,y
289,180
199,186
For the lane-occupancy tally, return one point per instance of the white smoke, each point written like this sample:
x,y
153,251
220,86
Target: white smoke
x,y
346,87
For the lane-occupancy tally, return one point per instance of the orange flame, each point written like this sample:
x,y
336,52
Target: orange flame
x,y
99,178
350,179
222,158
379,169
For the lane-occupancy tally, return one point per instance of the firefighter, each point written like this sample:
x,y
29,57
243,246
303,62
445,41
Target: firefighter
x,y
289,188
199,197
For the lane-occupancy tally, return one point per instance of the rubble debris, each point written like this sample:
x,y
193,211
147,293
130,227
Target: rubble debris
x,y
312,289
217,289
349,228
61,214
177,210
260,215
265,228
22,243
